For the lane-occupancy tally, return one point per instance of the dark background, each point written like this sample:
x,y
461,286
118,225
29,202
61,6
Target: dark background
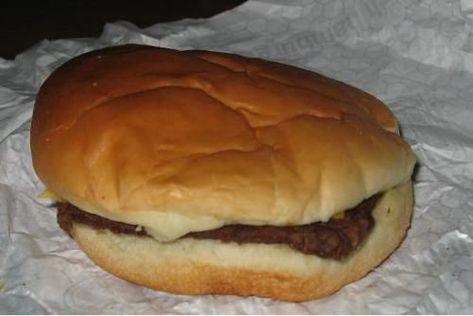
x,y
22,25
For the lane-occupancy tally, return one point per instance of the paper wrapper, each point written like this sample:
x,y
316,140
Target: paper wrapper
x,y
414,55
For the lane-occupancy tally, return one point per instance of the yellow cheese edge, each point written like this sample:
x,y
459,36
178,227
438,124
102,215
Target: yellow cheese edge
x,y
50,195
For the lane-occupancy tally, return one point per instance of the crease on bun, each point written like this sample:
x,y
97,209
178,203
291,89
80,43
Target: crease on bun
x,y
187,141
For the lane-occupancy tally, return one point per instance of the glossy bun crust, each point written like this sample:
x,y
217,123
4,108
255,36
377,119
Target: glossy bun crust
x,y
182,141
188,141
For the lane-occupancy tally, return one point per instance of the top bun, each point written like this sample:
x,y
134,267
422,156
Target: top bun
x,y
180,141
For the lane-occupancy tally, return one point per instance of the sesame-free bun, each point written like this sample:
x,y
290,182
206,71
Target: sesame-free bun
x,y
196,266
180,141
183,141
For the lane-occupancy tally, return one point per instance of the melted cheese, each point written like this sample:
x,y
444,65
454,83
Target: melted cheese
x,y
339,215
50,195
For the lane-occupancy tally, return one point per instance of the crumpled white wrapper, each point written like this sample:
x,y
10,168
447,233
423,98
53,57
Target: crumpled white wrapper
x,y
417,56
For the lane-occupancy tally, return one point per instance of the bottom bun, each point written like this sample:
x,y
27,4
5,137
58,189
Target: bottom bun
x,y
191,266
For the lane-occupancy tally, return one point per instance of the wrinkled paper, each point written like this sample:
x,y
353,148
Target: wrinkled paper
x,y
416,56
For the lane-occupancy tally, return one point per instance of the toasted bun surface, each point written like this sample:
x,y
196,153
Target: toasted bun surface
x,y
189,141
191,266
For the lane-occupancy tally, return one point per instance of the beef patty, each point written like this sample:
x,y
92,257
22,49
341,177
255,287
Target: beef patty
x,y
335,239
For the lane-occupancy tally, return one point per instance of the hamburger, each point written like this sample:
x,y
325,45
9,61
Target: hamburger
x,y
199,172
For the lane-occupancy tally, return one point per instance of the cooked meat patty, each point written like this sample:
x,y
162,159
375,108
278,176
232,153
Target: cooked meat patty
x,y
336,239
